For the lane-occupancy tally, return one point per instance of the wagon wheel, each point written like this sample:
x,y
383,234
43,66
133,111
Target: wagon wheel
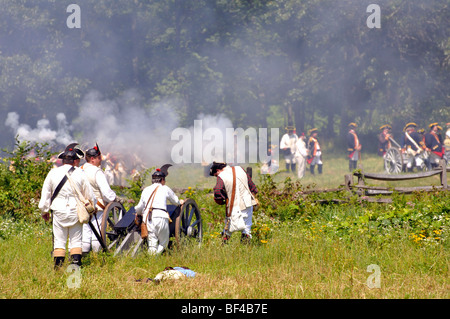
x,y
188,224
393,161
112,213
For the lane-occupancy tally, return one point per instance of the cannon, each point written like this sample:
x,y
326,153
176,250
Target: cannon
x,y
119,233
395,160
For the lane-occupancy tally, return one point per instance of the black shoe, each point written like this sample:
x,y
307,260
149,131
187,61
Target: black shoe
x,y
76,259
59,261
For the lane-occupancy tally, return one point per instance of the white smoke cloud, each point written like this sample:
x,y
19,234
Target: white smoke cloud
x,y
127,128
213,138
42,133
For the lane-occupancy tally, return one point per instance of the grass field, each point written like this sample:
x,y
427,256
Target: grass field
x,y
314,253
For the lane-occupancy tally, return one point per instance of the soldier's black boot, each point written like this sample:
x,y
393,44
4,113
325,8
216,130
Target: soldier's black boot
x,y
59,261
311,169
76,259
287,167
350,166
319,168
293,168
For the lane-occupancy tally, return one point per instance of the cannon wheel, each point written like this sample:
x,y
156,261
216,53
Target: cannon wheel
x,y
188,224
393,161
113,212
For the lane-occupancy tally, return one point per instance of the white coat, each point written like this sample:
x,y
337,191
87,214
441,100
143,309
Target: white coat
x,y
64,206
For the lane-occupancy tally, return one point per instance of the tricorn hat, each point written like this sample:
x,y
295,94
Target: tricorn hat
x,y
432,125
313,130
352,125
94,152
71,152
165,169
411,124
385,126
161,173
158,175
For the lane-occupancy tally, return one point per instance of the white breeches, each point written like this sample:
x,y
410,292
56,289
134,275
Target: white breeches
x,y
316,160
248,215
158,235
290,159
355,156
89,238
301,163
414,159
60,234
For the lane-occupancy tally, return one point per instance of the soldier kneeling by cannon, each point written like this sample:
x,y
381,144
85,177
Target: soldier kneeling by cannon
x,y
152,208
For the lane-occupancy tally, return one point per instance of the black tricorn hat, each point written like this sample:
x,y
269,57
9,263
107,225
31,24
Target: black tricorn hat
x,y
161,172
215,167
93,152
165,169
71,152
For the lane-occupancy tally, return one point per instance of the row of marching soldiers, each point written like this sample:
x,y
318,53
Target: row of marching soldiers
x,y
421,149
68,185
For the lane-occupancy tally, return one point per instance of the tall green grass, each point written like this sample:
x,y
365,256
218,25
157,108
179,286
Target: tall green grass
x,y
301,248
289,266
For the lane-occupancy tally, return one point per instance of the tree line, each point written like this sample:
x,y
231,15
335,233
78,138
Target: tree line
x,y
262,63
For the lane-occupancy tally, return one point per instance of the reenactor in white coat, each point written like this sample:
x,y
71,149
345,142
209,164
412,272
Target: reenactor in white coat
x,y
102,191
300,155
58,196
152,207
288,148
244,196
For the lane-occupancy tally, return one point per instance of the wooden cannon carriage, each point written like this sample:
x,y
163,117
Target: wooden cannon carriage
x,y
395,160
119,233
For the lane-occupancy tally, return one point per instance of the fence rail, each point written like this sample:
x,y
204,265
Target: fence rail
x,y
363,189
366,191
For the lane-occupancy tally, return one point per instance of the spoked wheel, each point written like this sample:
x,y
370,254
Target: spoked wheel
x,y
113,212
188,224
393,161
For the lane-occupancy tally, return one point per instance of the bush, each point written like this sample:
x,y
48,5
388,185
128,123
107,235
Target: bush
x,y
21,177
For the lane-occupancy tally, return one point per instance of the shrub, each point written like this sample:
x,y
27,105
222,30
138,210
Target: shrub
x,y
21,177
